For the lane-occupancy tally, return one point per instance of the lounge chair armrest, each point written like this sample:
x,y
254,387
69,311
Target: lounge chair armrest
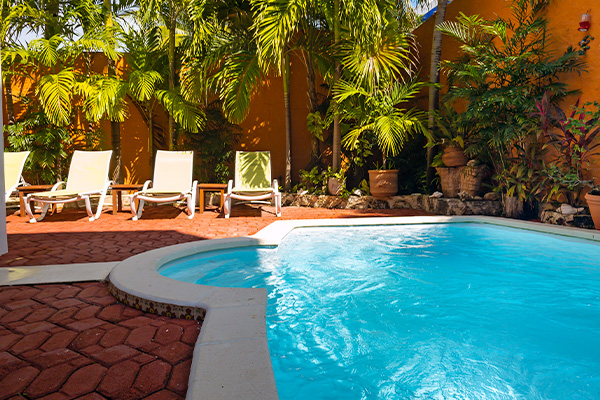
x,y
57,185
146,185
230,186
275,186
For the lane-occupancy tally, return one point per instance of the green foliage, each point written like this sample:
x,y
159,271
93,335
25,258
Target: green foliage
x,y
379,112
51,146
453,129
504,67
213,146
575,140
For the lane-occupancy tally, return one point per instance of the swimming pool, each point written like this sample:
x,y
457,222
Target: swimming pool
x,y
422,311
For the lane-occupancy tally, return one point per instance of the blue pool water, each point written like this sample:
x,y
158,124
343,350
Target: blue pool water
x,y
444,311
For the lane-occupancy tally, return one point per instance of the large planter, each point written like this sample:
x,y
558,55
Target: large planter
x,y
454,156
383,183
593,202
450,180
471,179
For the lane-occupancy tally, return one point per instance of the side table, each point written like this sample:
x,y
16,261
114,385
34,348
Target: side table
x,y
117,191
211,187
25,190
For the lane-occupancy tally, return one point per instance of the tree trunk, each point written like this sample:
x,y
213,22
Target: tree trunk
x,y
288,122
52,9
337,133
172,126
312,107
434,79
10,108
115,127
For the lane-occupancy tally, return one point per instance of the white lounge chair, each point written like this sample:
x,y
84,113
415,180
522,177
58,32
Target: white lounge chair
x,y
252,180
88,175
172,182
13,168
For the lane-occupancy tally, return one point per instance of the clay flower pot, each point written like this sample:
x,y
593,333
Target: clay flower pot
x,y
454,156
593,202
383,183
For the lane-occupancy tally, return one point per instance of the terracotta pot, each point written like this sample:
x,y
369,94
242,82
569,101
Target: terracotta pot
x,y
383,183
593,202
454,156
334,186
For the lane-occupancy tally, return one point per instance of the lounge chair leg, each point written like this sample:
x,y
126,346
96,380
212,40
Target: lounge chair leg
x,y
132,206
88,208
278,204
191,206
28,211
227,206
100,204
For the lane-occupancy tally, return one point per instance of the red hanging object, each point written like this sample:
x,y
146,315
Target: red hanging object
x,y
584,23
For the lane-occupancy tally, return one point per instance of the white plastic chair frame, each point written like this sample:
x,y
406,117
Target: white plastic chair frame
x,y
88,175
13,169
248,191
172,176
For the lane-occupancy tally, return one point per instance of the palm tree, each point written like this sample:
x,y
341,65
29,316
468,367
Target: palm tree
x,y
434,80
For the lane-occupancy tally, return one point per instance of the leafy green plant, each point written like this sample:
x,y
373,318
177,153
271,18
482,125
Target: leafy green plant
x,y
452,128
213,145
504,67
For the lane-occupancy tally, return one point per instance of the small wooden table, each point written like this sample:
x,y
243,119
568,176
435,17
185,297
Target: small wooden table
x,y
116,190
211,187
25,190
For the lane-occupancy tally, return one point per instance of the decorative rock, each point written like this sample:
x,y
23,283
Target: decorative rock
x,y
357,192
575,220
464,196
492,196
567,209
437,195
478,198
302,192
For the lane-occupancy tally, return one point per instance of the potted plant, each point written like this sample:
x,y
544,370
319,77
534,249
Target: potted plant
x,y
593,201
451,134
376,113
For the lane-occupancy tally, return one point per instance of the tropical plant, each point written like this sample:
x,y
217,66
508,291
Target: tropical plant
x,y
379,112
452,129
504,68
575,141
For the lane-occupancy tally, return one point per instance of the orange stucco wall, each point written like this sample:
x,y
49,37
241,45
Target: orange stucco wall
x,y
264,128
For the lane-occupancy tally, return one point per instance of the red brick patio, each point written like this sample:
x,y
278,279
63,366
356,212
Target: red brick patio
x,y
68,237
64,341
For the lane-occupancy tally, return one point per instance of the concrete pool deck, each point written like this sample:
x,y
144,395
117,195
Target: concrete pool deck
x,y
67,248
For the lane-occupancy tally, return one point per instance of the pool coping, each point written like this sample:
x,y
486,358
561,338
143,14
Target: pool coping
x,y
231,357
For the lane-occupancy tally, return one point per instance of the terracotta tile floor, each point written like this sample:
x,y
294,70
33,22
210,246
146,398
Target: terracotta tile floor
x,y
60,342
64,341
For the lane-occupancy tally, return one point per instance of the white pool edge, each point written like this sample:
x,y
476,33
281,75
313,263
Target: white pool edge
x,y
231,357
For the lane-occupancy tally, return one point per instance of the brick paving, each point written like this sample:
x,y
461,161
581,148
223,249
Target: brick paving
x,y
60,342
63,341
68,237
